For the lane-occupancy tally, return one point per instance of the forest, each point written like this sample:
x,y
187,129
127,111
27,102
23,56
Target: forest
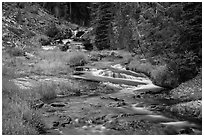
x,y
172,31
102,68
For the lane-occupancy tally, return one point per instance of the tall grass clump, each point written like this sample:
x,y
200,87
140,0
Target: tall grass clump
x,y
69,88
51,67
15,107
16,51
54,62
164,77
8,71
77,59
143,67
160,74
47,91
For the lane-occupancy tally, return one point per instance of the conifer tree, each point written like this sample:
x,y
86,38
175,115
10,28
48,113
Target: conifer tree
x,y
101,21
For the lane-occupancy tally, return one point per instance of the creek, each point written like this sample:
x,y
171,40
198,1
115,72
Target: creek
x,y
122,111
114,101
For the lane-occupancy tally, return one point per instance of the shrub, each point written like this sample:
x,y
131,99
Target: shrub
x,y
88,45
44,41
143,67
49,67
69,88
64,33
8,71
16,52
47,91
34,119
95,56
54,62
77,59
162,76
185,65
52,31
16,126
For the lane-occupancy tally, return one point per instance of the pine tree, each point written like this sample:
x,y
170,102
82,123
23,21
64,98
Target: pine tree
x,y
101,21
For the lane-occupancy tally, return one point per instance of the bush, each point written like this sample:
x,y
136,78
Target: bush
x,y
16,52
69,88
54,62
16,126
47,91
88,45
44,41
143,67
77,59
95,56
34,119
8,72
185,65
63,34
162,76
52,31
51,67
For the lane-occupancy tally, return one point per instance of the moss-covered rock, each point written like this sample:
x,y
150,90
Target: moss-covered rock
x,y
192,109
188,91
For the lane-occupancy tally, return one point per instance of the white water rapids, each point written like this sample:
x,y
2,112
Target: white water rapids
x,y
120,79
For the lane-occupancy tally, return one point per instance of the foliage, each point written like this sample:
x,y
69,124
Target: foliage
x,y
15,51
52,31
15,106
75,12
162,76
47,91
57,61
8,71
77,59
171,30
44,41
186,65
138,66
125,25
174,31
53,62
101,20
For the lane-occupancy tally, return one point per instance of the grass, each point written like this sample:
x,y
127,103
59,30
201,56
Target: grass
x,y
55,62
138,66
47,91
16,109
15,51
69,88
160,74
8,71
77,59
51,67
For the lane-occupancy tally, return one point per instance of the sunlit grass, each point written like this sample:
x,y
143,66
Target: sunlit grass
x,y
138,66
77,59
47,91
55,62
16,109
160,74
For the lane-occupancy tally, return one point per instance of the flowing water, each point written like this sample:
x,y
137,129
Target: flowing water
x,y
121,111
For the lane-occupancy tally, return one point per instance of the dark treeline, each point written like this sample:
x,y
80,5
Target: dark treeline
x,y
75,12
172,31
